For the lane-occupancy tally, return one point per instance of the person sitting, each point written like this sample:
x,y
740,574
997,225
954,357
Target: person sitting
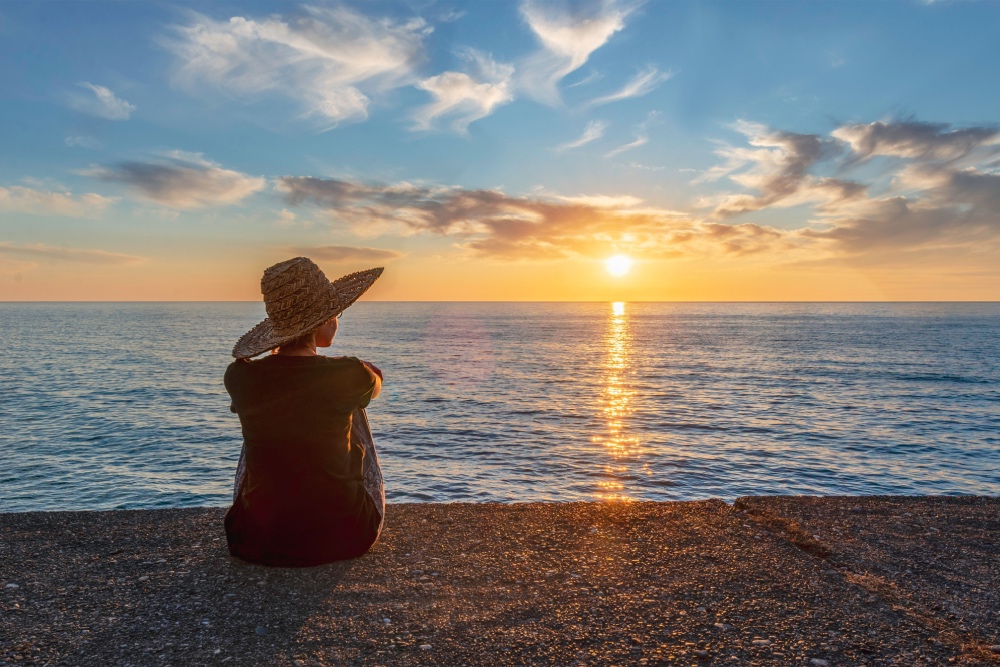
x,y
308,487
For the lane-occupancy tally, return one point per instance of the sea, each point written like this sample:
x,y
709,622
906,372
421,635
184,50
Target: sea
x,y
122,405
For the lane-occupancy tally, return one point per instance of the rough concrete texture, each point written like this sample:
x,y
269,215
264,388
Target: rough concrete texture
x,y
938,559
696,583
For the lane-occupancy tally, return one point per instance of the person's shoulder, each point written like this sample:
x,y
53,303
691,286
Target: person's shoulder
x,y
342,362
351,379
349,368
235,371
243,366
237,365
345,367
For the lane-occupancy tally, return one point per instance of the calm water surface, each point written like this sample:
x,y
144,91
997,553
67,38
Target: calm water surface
x,y
122,406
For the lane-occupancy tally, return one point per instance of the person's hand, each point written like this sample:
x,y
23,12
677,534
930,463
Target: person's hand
x,y
377,389
374,369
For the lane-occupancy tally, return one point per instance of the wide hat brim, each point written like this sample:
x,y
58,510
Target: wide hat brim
x,y
346,290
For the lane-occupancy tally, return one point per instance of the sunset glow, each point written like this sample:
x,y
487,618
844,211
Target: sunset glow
x,y
498,151
618,265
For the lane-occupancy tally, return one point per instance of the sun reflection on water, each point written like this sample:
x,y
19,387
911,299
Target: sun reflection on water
x,y
618,404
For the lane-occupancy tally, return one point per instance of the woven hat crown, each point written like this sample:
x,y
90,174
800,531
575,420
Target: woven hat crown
x,y
296,295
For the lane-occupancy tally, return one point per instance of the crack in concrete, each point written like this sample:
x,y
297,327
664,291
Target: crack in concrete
x,y
786,528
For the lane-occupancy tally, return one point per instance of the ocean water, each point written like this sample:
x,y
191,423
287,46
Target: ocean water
x,y
110,405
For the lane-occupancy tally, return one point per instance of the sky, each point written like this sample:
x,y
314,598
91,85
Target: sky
x,y
731,151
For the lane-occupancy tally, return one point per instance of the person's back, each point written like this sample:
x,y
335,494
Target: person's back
x,y
300,498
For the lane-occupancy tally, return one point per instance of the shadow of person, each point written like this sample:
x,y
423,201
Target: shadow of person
x,y
154,587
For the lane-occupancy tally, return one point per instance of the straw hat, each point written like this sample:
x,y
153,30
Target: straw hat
x,y
298,298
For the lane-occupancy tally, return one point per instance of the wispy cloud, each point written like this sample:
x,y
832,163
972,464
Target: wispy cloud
x,y
491,223
182,180
594,130
620,202
641,84
100,102
327,59
956,208
41,202
777,165
40,251
466,97
641,135
568,38
639,141
83,142
944,193
450,15
286,218
947,207
343,253
916,140
590,78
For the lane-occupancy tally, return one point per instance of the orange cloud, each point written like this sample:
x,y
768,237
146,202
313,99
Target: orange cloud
x,y
341,253
40,251
491,223
28,200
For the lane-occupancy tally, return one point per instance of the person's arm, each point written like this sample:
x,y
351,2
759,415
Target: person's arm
x,y
227,380
377,374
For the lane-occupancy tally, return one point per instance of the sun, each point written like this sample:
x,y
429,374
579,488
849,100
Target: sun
x,y
618,265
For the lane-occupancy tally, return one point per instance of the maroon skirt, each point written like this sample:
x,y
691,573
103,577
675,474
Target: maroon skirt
x,y
302,532
302,537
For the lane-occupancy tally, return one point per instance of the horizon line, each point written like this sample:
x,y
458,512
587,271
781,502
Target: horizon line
x,y
982,301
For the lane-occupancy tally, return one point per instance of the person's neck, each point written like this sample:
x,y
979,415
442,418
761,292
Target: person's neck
x,y
299,352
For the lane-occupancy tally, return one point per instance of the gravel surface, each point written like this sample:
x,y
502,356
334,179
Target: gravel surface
x,y
693,583
937,558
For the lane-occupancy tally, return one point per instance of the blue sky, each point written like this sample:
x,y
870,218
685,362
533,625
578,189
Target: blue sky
x,y
735,150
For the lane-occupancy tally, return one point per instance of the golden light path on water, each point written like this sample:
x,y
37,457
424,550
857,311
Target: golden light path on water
x,y
618,403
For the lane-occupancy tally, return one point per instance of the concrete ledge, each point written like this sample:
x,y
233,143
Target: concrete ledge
x,y
935,559
574,583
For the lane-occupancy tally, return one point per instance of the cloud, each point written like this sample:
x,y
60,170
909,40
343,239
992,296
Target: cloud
x,y
916,140
956,207
604,201
568,38
594,130
944,194
84,142
182,180
898,223
40,202
466,97
40,251
590,78
343,253
641,84
491,223
641,140
327,59
927,206
450,15
949,208
100,102
286,218
777,165
641,135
